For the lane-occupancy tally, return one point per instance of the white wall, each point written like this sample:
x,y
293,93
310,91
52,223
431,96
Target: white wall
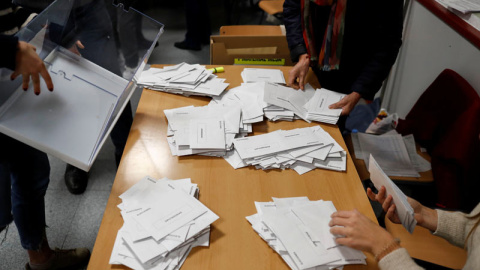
x,y
429,47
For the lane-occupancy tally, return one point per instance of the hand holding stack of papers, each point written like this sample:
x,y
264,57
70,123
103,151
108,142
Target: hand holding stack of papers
x,y
287,98
302,150
403,208
308,104
297,229
251,75
183,79
317,106
162,222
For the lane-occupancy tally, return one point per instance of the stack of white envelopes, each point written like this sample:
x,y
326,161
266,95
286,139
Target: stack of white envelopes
x,y
317,106
184,79
163,221
251,75
290,100
302,150
308,104
207,130
297,229
403,208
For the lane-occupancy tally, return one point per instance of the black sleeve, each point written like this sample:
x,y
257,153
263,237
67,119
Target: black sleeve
x,y
388,31
293,25
8,51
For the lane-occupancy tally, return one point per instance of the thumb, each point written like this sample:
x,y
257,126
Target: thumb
x,y
337,105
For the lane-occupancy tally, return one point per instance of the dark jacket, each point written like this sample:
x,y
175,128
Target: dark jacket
x,y
372,38
8,49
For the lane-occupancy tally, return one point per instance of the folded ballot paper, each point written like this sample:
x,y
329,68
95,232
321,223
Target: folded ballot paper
x,y
403,208
297,229
184,79
163,221
251,75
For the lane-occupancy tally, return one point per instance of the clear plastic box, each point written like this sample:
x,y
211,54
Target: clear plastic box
x,y
94,53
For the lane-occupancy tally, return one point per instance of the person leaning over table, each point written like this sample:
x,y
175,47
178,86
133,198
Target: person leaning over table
x,y
350,45
359,232
25,172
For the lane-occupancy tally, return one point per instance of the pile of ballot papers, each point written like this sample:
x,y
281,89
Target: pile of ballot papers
x,y
297,229
402,207
184,79
396,155
317,106
163,221
308,104
302,150
221,128
207,130
463,6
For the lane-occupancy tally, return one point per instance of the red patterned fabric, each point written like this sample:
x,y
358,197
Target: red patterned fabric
x,y
331,50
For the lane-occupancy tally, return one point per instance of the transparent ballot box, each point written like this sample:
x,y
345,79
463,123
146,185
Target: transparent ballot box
x,y
94,53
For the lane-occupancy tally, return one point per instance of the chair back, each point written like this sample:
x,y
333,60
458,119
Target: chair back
x,y
446,121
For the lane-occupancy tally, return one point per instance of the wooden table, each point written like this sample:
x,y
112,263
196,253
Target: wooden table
x,y
228,192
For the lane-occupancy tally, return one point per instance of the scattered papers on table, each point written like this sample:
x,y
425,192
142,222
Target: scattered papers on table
x,y
297,229
302,150
220,129
184,79
396,155
403,208
163,221
251,75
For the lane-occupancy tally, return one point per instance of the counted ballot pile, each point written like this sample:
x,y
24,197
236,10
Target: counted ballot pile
x,y
184,79
163,221
297,229
302,150
221,127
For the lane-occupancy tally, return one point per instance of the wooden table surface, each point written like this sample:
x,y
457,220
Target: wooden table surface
x,y
228,192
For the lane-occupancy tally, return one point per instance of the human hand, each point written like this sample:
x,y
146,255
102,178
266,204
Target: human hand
x,y
424,216
297,75
347,103
28,64
359,232
75,48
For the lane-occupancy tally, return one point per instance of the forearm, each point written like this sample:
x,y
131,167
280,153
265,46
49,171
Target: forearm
x,y
293,26
452,227
428,218
398,260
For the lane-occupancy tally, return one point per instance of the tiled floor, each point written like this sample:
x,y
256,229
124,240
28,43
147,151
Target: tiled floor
x,y
73,220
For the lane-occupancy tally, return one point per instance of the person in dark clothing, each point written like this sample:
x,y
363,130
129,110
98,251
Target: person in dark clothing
x,y
198,25
350,45
25,172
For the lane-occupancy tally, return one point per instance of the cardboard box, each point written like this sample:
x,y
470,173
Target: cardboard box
x,y
249,50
